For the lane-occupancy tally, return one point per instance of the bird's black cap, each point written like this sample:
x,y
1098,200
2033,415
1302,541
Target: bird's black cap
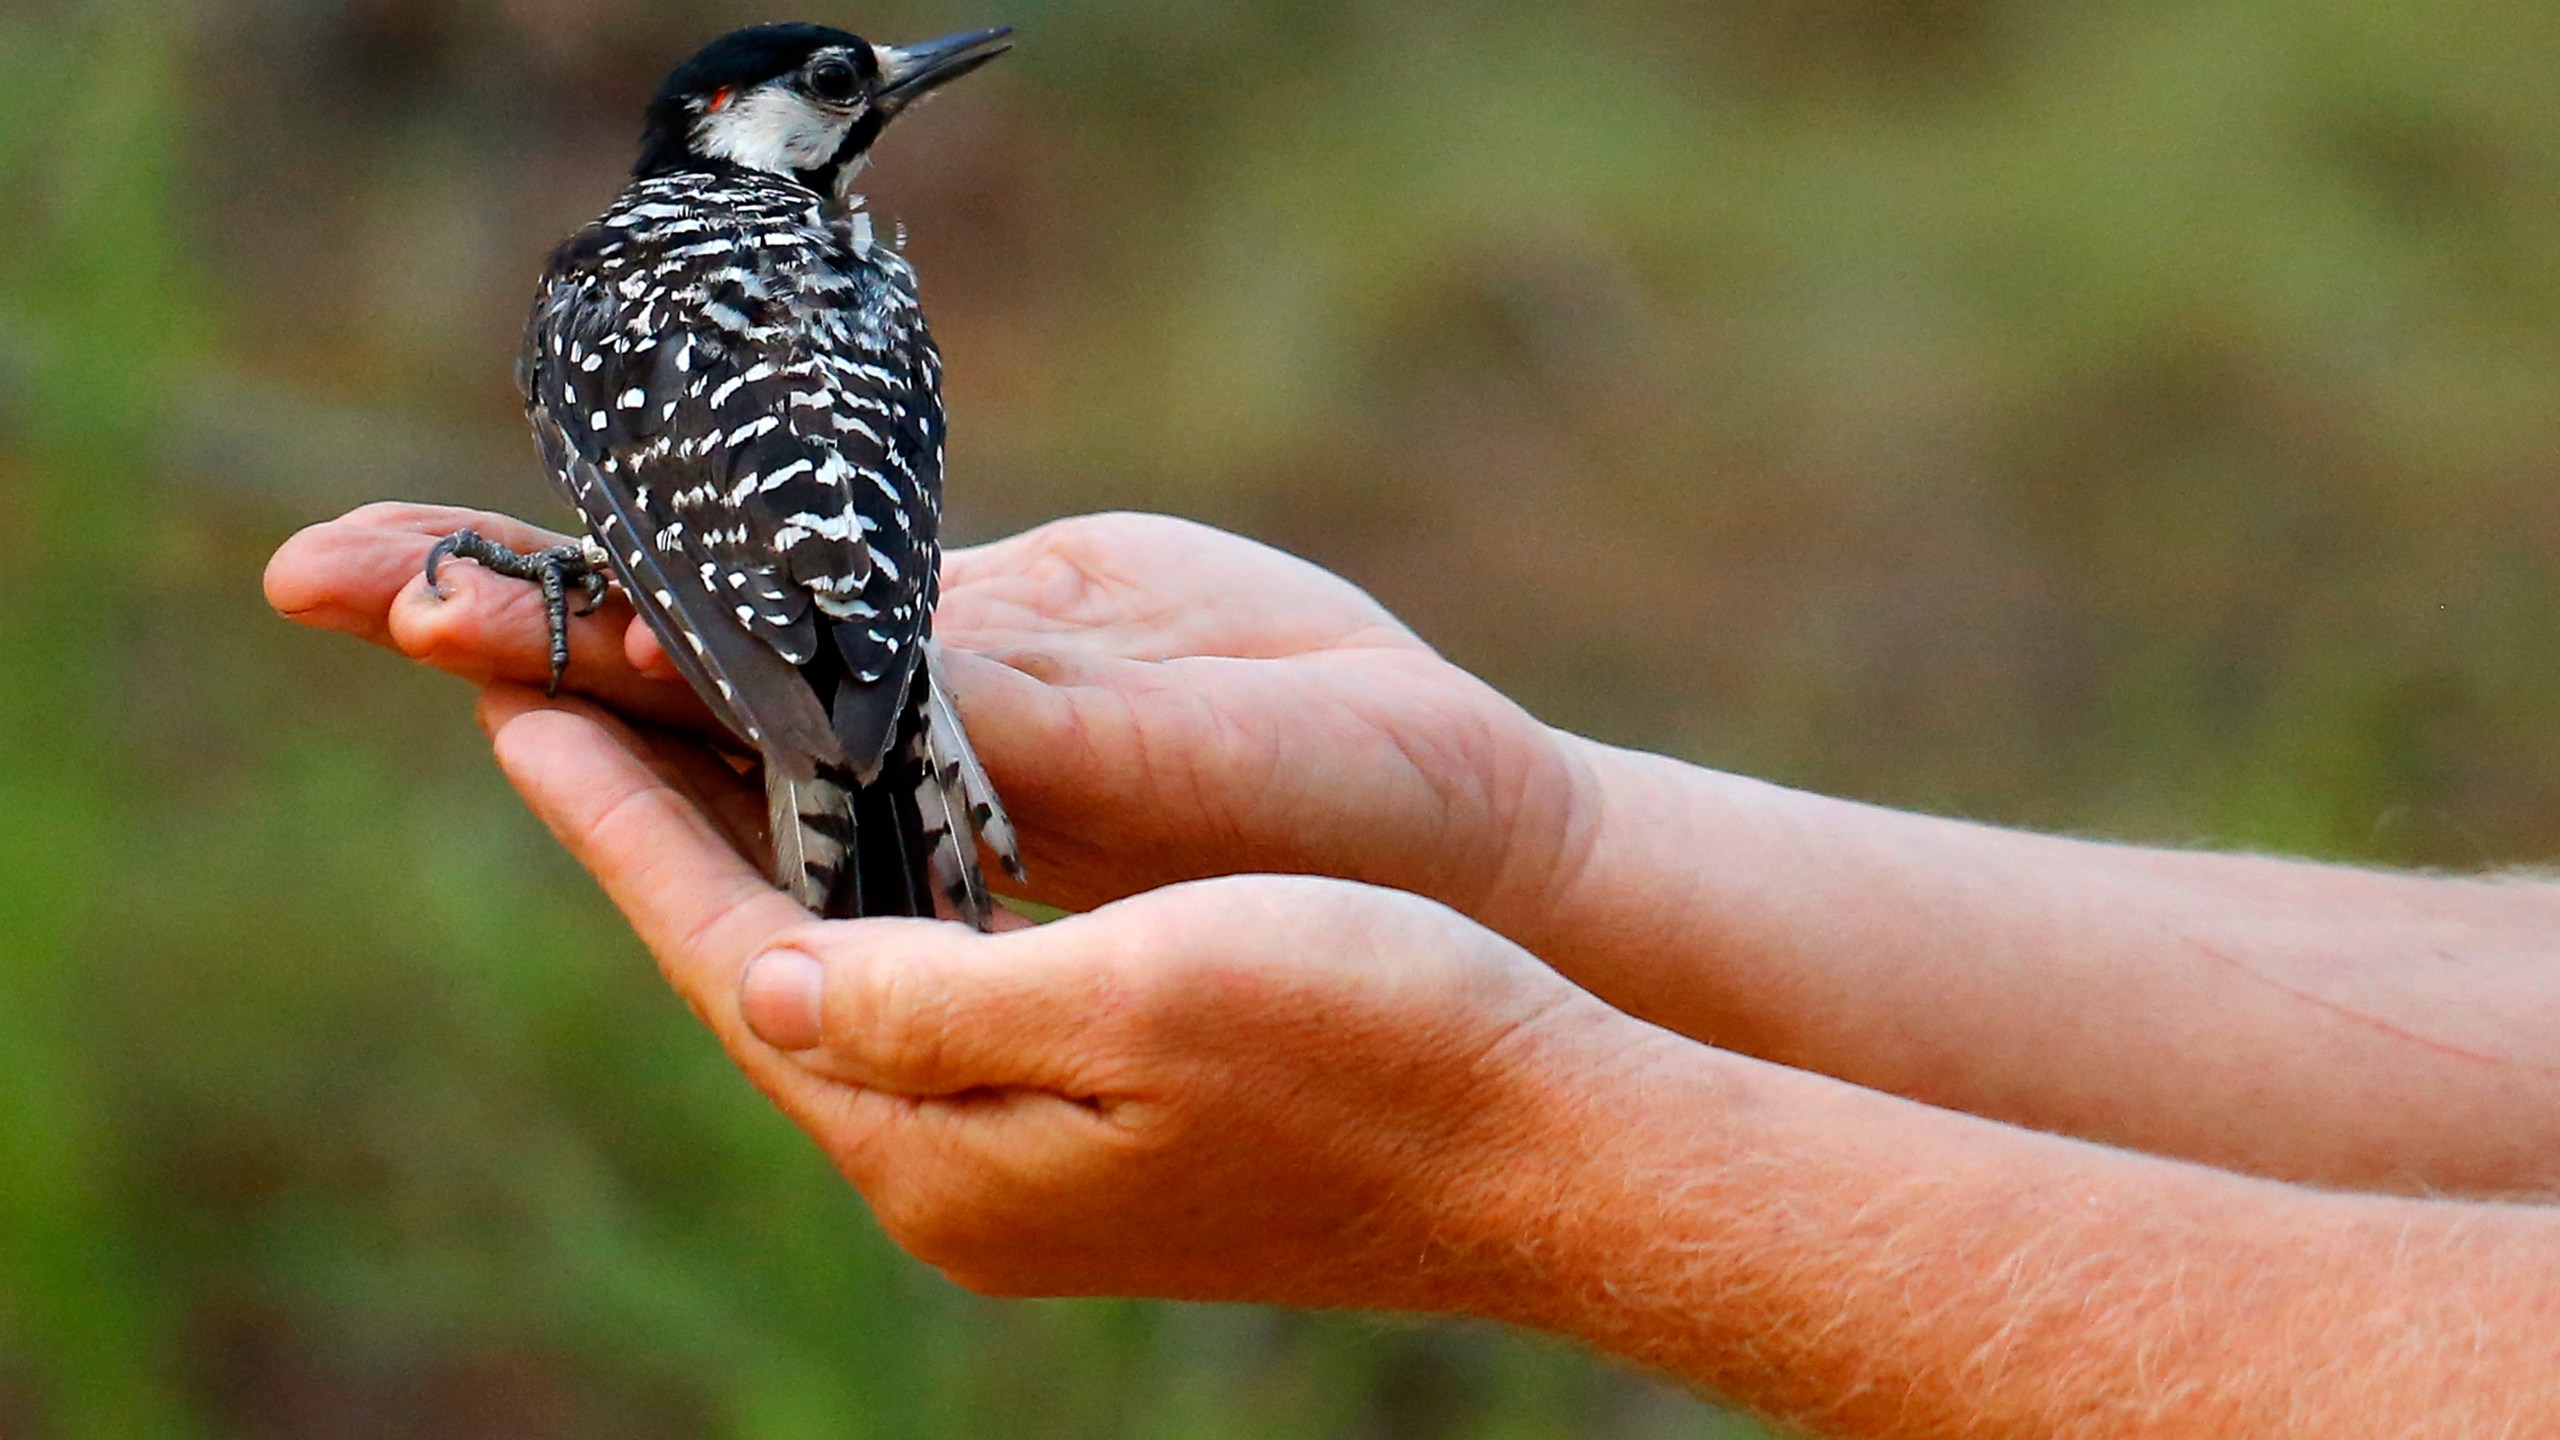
x,y
754,55
743,59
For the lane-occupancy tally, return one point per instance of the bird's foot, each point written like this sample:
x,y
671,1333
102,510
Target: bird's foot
x,y
577,564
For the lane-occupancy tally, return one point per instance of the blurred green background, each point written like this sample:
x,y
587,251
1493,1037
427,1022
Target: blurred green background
x,y
2132,418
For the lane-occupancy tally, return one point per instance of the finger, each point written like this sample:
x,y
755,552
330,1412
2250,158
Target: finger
x,y
701,909
365,575
927,1008
698,905
641,648
485,626
731,798
343,574
1152,587
1059,733
1021,708
1124,775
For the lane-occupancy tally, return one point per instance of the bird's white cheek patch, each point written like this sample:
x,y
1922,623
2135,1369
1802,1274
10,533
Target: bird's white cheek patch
x,y
774,129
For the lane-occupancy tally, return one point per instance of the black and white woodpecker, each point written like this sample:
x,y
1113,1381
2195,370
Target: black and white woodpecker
x,y
729,375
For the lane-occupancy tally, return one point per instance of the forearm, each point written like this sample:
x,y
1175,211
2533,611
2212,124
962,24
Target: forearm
x,y
1868,1267
2305,1021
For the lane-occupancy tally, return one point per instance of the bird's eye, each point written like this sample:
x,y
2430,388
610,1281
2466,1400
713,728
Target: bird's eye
x,y
833,79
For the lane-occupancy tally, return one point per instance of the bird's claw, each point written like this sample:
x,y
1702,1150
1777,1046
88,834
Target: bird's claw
x,y
555,569
591,588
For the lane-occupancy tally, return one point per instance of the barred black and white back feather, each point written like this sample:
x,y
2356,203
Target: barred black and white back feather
x,y
732,380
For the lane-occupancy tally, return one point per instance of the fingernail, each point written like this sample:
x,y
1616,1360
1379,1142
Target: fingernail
x,y
780,999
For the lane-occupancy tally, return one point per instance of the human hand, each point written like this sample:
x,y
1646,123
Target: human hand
x,y
364,574
1174,702
1156,700
1261,1088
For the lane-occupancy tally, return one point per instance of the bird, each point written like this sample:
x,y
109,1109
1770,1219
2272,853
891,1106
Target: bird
x,y
729,375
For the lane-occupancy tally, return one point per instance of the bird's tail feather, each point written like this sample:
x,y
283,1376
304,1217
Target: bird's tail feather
x,y
955,872
948,742
959,807
888,873
811,818
845,849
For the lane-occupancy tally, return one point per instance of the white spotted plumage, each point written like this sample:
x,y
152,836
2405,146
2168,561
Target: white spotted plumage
x,y
743,383
730,377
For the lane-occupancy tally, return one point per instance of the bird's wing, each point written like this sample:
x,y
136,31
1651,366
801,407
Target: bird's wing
x,y
626,431
769,436
862,405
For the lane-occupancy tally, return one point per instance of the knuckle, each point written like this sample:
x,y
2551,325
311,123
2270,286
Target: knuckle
x,y
1127,527
899,1020
1085,558
1157,981
1085,536
1069,542
629,818
1131,977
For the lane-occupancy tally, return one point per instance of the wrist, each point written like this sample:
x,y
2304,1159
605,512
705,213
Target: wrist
x,y
1631,896
1512,1227
1504,817
1700,900
1548,828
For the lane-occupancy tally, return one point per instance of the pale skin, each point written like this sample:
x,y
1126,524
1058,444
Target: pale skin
x,y
1693,1135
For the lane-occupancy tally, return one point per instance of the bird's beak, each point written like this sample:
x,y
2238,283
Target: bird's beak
x,y
908,73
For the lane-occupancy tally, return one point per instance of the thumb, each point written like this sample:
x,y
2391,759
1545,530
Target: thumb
x,y
695,902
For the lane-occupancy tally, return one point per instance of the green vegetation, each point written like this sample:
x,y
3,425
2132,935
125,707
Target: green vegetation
x,y
2131,418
